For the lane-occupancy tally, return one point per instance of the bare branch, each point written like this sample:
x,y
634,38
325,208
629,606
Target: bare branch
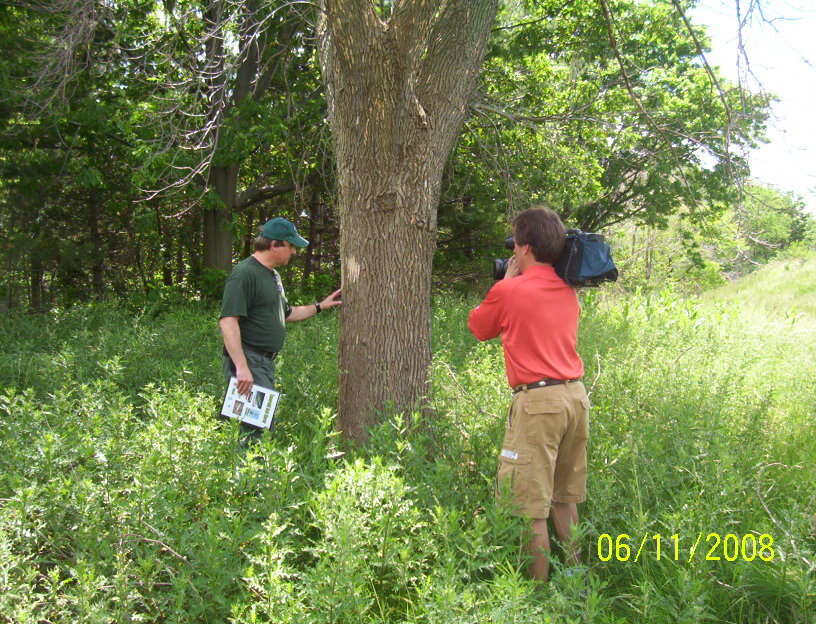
x,y
726,107
148,540
613,42
69,57
536,21
255,195
219,71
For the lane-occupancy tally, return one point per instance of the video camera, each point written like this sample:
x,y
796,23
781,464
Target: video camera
x,y
585,261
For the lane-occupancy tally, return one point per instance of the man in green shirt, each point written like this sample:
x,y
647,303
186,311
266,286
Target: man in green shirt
x,y
254,309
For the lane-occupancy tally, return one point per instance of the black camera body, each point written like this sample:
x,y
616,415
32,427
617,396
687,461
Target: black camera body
x,y
500,264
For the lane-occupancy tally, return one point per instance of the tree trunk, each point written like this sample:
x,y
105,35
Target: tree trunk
x,y
385,326
35,292
9,286
218,221
196,259
250,230
311,255
97,251
180,268
397,94
217,240
165,238
136,254
252,80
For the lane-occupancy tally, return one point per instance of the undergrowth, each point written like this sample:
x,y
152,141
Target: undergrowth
x,y
124,499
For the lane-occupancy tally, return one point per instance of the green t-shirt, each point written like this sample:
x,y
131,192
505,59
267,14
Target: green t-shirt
x,y
255,295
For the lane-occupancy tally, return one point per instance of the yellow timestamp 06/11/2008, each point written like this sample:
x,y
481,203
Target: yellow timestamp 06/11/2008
x,y
707,547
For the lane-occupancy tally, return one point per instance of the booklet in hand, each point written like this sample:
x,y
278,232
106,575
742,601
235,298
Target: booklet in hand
x,y
257,409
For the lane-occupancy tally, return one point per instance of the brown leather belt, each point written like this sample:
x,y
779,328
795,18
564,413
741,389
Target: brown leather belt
x,y
542,383
267,354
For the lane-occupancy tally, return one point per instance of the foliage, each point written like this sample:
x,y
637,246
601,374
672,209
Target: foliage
x,y
694,254
82,160
559,119
122,498
139,108
68,152
767,222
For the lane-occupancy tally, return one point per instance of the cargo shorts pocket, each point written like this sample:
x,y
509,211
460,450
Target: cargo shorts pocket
x,y
544,423
513,477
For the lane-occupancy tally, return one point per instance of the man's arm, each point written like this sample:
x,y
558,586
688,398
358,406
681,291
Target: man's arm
x,y
231,332
300,313
484,321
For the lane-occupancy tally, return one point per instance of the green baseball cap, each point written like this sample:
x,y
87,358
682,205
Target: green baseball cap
x,y
283,229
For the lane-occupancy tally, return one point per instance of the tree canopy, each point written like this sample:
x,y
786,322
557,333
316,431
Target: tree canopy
x,y
142,141
559,119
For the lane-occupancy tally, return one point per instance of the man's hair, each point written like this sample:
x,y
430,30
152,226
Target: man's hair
x,y
541,228
261,243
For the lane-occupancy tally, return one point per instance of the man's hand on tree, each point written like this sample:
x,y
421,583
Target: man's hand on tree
x,y
332,300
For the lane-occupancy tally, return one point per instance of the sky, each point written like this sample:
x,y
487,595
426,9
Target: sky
x,y
781,51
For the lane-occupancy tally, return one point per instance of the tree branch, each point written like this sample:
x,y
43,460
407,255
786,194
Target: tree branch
x,y
714,81
536,21
255,195
613,42
346,21
450,61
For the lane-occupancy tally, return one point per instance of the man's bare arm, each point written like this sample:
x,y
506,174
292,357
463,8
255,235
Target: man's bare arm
x,y
300,313
231,332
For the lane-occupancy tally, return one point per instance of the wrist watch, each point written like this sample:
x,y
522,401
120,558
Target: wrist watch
x,y
317,308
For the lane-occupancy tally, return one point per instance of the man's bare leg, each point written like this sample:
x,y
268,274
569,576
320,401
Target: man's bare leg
x,y
539,550
564,517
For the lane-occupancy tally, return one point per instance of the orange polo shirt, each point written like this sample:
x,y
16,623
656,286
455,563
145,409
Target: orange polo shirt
x,y
536,314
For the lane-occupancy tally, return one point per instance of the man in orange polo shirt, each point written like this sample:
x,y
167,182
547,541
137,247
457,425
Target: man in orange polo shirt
x,y
543,456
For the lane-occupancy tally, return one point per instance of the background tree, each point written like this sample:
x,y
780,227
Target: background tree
x,y
220,113
66,161
760,227
691,254
227,72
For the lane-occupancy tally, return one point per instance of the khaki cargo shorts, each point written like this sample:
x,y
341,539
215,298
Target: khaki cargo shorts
x,y
543,457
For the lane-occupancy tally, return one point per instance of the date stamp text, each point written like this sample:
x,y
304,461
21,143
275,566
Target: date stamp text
x,y
706,547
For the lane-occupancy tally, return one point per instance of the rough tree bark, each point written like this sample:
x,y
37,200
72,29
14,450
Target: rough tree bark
x,y
397,91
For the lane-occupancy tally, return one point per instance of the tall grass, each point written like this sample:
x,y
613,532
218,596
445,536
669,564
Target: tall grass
x,y
123,499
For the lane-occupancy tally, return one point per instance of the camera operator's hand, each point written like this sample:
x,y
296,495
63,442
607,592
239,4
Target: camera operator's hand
x,y
512,268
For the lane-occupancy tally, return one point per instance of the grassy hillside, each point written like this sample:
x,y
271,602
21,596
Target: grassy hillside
x,y
784,290
122,499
